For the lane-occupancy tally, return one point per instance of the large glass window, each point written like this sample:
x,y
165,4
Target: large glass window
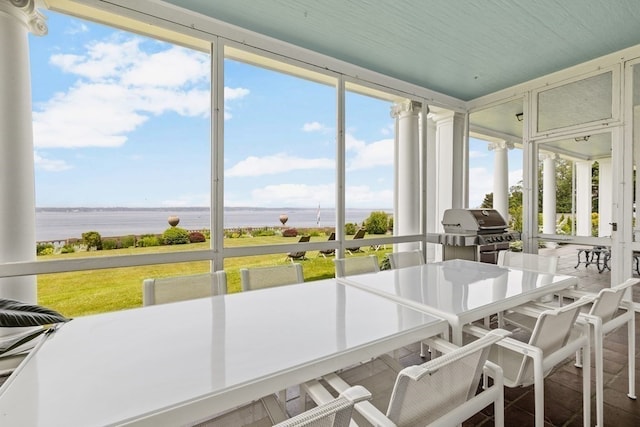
x,y
121,136
279,155
369,161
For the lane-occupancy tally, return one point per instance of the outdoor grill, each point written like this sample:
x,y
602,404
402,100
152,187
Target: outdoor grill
x,y
473,234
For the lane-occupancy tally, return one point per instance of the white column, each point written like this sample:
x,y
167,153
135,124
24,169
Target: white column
x,y
605,200
406,218
17,186
451,162
583,198
434,251
501,177
548,193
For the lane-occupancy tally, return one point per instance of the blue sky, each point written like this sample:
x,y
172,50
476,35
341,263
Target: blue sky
x,y
123,120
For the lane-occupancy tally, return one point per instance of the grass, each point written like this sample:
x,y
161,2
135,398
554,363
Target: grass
x,y
97,291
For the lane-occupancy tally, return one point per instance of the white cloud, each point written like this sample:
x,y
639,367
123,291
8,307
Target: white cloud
x,y
276,164
50,165
480,183
293,195
188,200
474,154
378,153
122,82
77,28
305,195
314,127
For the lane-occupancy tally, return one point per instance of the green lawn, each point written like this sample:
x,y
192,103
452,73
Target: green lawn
x,y
87,292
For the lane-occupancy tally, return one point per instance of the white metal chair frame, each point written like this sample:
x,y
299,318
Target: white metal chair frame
x,y
558,333
408,403
267,277
608,312
527,261
406,259
356,265
180,288
335,412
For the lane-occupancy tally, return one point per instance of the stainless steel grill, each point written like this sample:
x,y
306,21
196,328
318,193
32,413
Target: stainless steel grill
x,y
475,234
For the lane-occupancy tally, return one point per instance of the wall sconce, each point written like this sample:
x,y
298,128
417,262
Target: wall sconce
x,y
583,138
520,116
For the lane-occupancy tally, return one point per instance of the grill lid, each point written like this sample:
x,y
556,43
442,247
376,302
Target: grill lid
x,y
473,221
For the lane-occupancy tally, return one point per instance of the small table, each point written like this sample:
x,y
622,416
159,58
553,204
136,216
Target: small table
x,y
181,363
598,255
461,291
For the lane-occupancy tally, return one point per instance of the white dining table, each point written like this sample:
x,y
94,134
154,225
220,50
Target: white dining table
x,y
181,363
460,291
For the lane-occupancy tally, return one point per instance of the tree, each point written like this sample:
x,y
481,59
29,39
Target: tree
x,y
92,239
377,223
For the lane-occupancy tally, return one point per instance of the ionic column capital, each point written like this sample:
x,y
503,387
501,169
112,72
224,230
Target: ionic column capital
x,y
400,108
25,11
548,156
500,145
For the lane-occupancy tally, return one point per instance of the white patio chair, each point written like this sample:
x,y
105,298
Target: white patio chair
x,y
555,337
267,277
406,259
356,265
181,288
334,413
608,310
441,392
525,261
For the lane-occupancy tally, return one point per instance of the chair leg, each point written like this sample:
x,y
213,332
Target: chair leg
x,y
631,345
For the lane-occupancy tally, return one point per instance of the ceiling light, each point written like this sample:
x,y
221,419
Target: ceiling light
x,y
520,116
582,138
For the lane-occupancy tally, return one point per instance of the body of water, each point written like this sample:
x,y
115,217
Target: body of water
x,y
62,224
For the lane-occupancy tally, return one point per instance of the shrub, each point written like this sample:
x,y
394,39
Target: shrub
x,y
377,223
350,229
290,232
197,237
92,239
264,232
129,241
148,240
109,244
44,249
175,236
386,263
67,249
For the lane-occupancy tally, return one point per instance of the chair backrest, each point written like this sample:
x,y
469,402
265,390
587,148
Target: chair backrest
x,y
534,262
405,259
424,393
335,413
359,235
608,300
299,254
332,236
267,277
356,265
180,288
551,332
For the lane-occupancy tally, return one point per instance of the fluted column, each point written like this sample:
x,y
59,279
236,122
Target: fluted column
x,y
583,198
501,177
406,219
17,186
548,193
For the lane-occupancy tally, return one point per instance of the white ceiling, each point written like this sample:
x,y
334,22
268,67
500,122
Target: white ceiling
x,y
462,48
